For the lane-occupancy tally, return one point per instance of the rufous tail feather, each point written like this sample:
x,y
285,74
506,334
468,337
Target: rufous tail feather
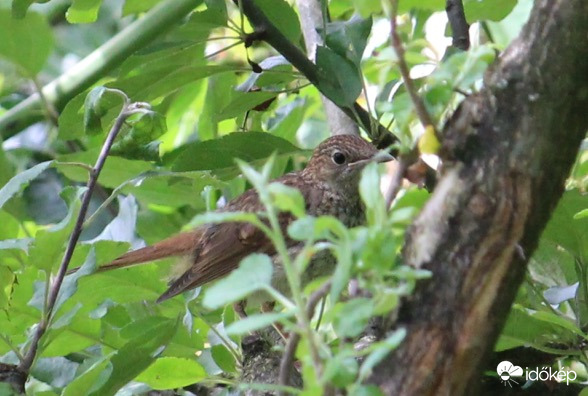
x,y
177,245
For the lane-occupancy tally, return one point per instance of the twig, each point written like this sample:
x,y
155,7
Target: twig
x,y
270,34
396,182
459,26
288,358
126,111
419,106
12,347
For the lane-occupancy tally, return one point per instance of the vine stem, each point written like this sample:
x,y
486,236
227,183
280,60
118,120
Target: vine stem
x,y
421,110
127,110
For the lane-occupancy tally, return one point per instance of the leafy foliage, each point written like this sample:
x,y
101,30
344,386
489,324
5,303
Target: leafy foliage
x,y
211,106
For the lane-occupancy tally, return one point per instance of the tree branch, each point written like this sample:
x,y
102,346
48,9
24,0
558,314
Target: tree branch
x,y
270,34
507,152
29,357
460,29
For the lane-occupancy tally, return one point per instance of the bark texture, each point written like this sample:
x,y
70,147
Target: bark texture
x,y
507,151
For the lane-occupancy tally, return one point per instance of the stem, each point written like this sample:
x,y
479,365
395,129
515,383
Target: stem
x,y
288,358
29,357
294,283
419,106
12,347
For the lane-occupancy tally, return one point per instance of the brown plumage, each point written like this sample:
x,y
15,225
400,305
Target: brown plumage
x,y
329,185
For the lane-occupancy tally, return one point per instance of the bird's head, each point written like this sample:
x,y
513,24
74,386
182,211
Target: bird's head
x,y
339,160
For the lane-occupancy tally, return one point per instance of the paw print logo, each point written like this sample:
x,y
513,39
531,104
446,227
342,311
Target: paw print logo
x,y
506,370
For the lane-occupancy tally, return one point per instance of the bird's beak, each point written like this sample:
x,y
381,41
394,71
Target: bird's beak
x,y
380,156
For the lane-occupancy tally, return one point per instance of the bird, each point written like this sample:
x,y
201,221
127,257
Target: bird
x,y
329,185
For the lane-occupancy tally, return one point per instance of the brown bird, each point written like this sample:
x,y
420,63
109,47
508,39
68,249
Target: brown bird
x,y
329,185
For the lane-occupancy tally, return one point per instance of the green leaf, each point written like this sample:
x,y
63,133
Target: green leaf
x,y
116,170
94,110
282,16
94,376
369,190
83,11
27,42
221,153
243,102
352,317
382,349
254,273
349,38
223,358
581,214
340,80
132,7
365,8
21,180
138,142
256,322
565,231
287,199
493,10
171,373
341,372
47,250
136,356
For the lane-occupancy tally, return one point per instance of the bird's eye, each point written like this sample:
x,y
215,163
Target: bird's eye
x,y
338,158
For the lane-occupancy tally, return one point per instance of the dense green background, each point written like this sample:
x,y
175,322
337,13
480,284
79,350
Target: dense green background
x,y
178,160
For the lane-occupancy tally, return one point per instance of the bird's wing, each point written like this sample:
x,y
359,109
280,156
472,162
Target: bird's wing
x,y
221,249
224,245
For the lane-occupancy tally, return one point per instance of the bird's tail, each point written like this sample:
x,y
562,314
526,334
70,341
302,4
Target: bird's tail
x,y
177,245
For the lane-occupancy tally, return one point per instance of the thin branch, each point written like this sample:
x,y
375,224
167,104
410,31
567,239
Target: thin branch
x,y
459,26
126,111
270,34
422,113
289,353
12,347
396,182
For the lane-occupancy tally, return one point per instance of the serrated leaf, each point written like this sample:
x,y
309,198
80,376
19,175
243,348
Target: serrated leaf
x,y
27,42
254,273
171,373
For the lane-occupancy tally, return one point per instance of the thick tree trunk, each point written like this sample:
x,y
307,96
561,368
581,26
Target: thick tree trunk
x,y
507,152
